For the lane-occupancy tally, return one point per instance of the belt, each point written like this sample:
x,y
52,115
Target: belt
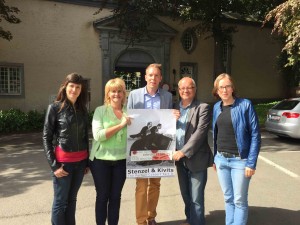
x,y
229,155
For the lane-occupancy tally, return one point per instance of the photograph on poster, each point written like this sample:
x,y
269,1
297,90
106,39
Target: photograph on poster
x,y
151,143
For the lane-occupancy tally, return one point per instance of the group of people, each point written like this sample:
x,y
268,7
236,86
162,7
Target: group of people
x,y
236,139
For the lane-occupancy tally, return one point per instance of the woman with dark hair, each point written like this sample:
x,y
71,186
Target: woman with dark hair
x,y
108,154
237,140
66,144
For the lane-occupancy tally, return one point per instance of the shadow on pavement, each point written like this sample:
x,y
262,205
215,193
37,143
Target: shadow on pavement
x,y
23,163
273,216
257,216
271,143
260,216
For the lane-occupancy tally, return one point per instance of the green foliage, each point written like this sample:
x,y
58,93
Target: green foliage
x,y
286,19
262,110
291,73
14,120
8,13
35,120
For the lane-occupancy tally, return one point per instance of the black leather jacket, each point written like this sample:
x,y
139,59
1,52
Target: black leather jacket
x,y
66,128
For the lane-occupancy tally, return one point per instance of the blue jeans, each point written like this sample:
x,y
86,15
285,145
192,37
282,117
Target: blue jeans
x,y
65,193
234,184
192,186
109,178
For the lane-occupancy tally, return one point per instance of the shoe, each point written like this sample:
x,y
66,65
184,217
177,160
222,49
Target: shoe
x,y
152,222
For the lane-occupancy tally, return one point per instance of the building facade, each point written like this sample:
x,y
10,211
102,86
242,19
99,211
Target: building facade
x,y
56,38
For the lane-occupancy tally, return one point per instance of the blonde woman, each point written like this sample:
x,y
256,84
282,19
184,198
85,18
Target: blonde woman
x,y
108,154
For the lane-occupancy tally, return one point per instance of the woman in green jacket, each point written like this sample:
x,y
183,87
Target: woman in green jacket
x,y
108,154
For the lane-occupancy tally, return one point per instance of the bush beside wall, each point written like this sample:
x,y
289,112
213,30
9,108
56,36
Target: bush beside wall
x,y
262,110
14,120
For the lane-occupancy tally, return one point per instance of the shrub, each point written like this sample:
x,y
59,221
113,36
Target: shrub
x,y
14,120
262,110
35,120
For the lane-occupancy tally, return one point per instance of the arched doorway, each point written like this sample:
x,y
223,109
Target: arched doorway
x,y
118,55
131,66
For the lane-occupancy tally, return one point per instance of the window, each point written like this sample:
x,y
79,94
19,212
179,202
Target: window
x,y
189,40
188,70
226,56
286,105
132,79
11,79
131,82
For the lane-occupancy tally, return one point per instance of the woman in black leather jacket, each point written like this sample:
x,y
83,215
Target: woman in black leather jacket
x,y
66,145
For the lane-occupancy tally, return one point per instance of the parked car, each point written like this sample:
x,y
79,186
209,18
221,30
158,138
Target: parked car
x,y
283,119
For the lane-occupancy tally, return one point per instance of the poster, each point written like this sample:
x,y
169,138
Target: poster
x,y
151,141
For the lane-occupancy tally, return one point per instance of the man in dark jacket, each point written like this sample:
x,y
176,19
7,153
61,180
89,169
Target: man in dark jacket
x,y
193,155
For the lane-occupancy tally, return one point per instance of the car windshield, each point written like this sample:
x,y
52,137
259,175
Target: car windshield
x,y
286,105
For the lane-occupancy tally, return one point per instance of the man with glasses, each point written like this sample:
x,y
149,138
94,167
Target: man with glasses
x,y
193,155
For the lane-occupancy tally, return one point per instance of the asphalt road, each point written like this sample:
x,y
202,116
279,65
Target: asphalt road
x,y
26,188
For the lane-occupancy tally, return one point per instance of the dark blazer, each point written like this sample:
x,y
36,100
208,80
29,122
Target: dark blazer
x,y
196,149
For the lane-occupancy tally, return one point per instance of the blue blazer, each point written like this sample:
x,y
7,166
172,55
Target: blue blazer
x,y
246,129
136,99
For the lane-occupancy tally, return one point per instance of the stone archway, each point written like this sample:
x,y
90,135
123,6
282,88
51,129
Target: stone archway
x,y
134,58
117,53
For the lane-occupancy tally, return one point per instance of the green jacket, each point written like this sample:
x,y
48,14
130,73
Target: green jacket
x,y
113,148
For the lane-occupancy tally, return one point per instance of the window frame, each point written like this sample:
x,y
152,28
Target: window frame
x,y
226,56
194,67
20,66
193,40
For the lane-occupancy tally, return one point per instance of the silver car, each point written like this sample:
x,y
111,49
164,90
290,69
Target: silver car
x,y
283,119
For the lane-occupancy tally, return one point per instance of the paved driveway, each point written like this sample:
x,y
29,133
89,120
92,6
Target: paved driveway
x,y
26,188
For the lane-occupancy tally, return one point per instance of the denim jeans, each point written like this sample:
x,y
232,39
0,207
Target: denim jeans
x,y
234,184
192,186
109,178
65,193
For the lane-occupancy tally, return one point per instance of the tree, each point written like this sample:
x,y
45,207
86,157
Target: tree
x,y
286,19
8,14
133,17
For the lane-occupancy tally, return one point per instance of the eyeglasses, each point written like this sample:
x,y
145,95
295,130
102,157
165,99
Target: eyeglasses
x,y
186,89
221,88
